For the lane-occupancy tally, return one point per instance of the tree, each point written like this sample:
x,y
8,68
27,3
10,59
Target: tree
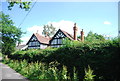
x,y
23,5
10,34
48,30
94,37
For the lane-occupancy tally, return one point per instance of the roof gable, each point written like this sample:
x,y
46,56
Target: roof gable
x,y
62,34
40,38
70,36
59,34
66,34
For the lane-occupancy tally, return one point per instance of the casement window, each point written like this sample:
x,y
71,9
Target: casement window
x,y
59,41
29,44
54,41
34,43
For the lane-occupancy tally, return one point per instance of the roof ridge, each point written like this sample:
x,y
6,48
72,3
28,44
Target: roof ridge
x,y
67,33
41,38
41,35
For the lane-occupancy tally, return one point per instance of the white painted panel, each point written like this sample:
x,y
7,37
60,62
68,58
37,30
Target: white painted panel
x,y
42,46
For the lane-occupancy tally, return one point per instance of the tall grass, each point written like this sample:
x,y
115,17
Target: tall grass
x,y
40,71
89,74
37,71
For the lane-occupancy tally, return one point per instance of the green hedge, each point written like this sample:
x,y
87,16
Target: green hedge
x,y
103,58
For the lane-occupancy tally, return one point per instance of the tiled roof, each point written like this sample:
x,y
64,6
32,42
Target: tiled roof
x,y
42,39
69,35
45,40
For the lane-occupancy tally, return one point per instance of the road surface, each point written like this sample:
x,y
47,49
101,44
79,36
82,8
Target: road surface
x,y
8,74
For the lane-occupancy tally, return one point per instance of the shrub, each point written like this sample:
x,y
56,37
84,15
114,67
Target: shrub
x,y
38,71
103,57
89,74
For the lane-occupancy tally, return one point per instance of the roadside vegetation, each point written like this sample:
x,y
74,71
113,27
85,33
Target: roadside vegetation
x,y
102,58
41,71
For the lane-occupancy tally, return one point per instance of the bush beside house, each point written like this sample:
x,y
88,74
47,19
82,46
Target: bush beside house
x,y
102,57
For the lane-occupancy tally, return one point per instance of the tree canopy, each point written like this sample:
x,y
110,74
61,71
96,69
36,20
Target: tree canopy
x,y
23,5
10,34
48,30
94,37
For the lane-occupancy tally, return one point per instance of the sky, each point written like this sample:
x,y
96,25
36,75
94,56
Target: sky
x,y
98,17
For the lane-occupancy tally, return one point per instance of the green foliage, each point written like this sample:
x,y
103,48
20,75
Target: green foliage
x,y
10,34
32,55
103,57
75,73
89,74
0,54
49,30
22,5
68,43
64,73
38,70
94,37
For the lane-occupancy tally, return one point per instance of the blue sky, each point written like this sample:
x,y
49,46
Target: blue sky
x,y
98,17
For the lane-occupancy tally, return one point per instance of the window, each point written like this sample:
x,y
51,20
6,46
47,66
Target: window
x,y
34,43
54,41
59,41
29,44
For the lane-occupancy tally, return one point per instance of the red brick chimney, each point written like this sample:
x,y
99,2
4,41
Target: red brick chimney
x,y
75,31
82,36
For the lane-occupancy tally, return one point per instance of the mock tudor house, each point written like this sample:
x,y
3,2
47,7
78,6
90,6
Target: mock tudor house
x,y
38,41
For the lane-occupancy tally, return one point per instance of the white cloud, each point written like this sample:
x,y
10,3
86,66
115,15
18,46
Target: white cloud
x,y
64,25
35,29
25,40
107,22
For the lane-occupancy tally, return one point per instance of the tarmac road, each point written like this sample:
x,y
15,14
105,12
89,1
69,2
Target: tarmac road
x,y
8,74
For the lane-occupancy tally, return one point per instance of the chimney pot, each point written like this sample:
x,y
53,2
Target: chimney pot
x,y
75,32
82,35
